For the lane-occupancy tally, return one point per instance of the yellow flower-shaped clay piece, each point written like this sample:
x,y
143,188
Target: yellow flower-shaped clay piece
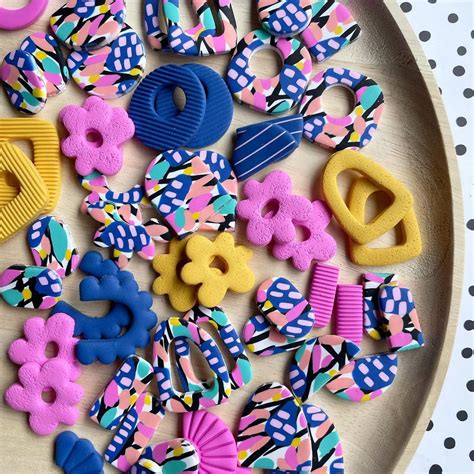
x,y
181,295
237,276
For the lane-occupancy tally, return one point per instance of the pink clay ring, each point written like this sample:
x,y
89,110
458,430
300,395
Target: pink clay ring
x,y
19,18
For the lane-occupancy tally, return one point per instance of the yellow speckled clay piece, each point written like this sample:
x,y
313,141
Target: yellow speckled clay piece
x,y
19,211
182,296
237,276
360,254
360,232
46,153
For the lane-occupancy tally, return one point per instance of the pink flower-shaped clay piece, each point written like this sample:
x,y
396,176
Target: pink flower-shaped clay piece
x,y
53,376
270,209
318,245
58,329
96,133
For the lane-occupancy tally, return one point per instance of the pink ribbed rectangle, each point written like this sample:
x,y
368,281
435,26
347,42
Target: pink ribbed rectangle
x,y
350,312
322,293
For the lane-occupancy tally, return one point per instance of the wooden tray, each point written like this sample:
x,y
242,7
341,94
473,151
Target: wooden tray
x,y
413,142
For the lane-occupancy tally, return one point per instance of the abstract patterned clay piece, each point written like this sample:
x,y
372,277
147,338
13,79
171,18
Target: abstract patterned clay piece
x,y
349,312
76,455
30,287
18,209
97,132
19,18
273,431
157,38
224,220
87,26
202,39
57,329
23,82
180,402
317,362
317,243
184,190
270,95
372,285
241,373
353,131
182,297
402,199
123,228
49,58
122,392
264,340
284,17
123,289
167,131
281,303
113,70
215,283
92,327
332,28
323,293
400,319
410,245
53,376
46,153
274,192
53,246
325,441
175,456
213,440
259,145
135,432
365,378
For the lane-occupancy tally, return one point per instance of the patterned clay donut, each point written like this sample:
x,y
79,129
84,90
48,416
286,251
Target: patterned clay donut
x,y
284,17
111,71
271,95
352,131
88,25
24,82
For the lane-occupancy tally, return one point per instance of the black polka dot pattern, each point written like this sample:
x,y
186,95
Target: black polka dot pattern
x,y
444,28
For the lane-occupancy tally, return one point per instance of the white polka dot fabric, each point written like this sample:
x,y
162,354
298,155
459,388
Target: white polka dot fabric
x,y
445,29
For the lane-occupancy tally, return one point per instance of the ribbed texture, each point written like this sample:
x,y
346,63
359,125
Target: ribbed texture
x,y
33,196
322,293
349,312
44,137
165,133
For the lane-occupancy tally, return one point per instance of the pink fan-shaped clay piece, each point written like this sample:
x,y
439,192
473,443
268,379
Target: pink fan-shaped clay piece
x,y
213,440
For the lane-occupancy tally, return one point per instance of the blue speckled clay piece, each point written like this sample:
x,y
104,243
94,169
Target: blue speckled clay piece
x,y
165,132
77,455
260,144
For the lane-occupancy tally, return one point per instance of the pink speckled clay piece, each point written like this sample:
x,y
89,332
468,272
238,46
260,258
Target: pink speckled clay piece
x,y
323,292
96,133
318,244
274,192
349,312
57,329
54,375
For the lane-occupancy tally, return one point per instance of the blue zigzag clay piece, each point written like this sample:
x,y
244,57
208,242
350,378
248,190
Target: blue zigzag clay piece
x,y
120,288
160,131
261,144
90,327
77,455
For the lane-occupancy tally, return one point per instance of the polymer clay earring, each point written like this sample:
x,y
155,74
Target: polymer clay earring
x,y
19,18
113,70
180,402
270,95
349,312
73,453
284,17
323,292
88,26
332,27
353,131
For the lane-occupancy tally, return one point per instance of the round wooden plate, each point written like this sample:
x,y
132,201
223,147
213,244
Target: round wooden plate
x,y
413,142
